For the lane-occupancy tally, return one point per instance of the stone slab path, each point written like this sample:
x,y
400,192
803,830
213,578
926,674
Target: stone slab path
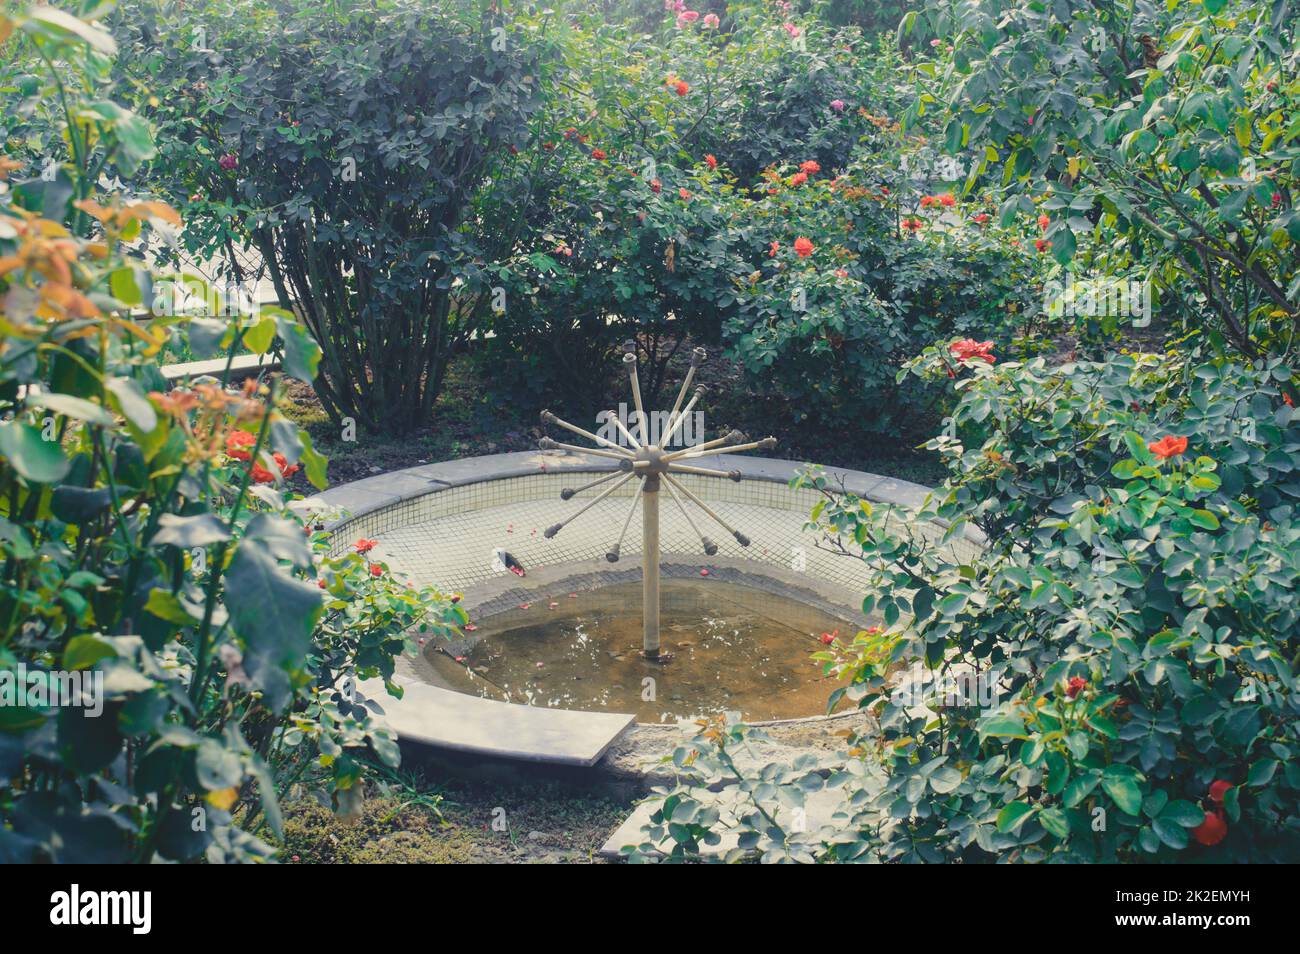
x,y
463,723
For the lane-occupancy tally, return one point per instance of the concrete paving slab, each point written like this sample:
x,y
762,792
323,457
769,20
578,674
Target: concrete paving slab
x,y
462,723
242,366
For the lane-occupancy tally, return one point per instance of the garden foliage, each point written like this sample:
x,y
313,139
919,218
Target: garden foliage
x,y
176,651
1111,678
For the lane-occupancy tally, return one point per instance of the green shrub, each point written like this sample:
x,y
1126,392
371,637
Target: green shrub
x,y
149,550
1133,618
1159,139
347,143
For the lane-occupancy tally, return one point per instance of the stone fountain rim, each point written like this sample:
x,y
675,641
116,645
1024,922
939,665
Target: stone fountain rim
x,y
593,732
341,505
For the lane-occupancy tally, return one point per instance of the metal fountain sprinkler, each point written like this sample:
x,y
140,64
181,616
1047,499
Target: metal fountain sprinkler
x,y
655,466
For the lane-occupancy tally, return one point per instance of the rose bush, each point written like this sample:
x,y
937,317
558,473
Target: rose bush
x,y
1133,613
176,652
1161,141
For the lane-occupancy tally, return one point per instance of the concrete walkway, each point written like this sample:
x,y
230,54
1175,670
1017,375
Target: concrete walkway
x,y
241,366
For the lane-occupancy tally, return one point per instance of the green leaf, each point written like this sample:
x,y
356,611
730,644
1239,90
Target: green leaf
x,y
1079,789
1182,812
1002,725
259,336
1063,245
132,404
60,25
1261,773
1054,820
1125,792
301,353
196,530
82,652
166,605
314,463
1170,832
216,767
74,407
274,614
33,457
1012,816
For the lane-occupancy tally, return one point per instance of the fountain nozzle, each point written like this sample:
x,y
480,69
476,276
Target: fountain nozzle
x,y
552,531
612,555
743,540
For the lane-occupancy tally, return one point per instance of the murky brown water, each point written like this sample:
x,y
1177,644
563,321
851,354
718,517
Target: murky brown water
x,y
734,649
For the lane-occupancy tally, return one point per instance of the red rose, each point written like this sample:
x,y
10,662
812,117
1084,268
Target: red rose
x,y
981,218
263,476
655,186
947,200
1168,446
237,443
912,225
1218,789
376,570
1211,831
1042,244
798,179
827,638
598,154
773,248
1075,686
968,349
803,247
811,167
682,87
711,160
365,546
1044,222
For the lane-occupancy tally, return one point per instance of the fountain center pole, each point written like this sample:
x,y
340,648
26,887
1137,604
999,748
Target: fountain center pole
x,y
650,566
648,458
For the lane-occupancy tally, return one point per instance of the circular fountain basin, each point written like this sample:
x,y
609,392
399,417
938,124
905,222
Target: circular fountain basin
x,y
741,625
725,647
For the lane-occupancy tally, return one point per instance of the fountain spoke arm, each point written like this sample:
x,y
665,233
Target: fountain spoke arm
x,y
613,554
674,423
743,540
697,359
703,450
612,416
547,444
549,418
704,472
570,492
629,359
710,548
698,450
553,530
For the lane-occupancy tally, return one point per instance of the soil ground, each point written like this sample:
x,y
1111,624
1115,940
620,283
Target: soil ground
x,y
536,823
